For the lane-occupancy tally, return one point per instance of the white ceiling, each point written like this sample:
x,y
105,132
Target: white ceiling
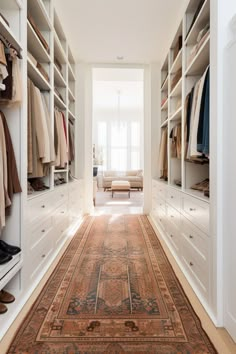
x,y
138,30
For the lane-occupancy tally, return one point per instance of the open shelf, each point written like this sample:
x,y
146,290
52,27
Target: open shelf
x,y
164,86
71,115
177,90
201,20
58,102
164,124
177,64
37,10
59,52
35,47
201,60
9,269
177,115
71,96
196,194
71,74
58,28
37,78
165,105
9,35
58,78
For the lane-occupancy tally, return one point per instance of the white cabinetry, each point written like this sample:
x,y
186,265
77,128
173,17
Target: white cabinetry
x,y
184,222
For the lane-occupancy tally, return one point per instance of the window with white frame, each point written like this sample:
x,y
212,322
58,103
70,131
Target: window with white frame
x,y
118,124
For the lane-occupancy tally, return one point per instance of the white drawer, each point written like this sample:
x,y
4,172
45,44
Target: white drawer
x,y
197,212
38,208
174,197
161,191
173,216
59,196
61,213
173,234
39,231
60,231
196,237
196,265
39,257
160,217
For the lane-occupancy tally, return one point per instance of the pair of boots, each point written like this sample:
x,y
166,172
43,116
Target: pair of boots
x,y
5,298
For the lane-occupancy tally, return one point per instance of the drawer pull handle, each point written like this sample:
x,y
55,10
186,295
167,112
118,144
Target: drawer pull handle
x,y
172,197
43,206
62,212
191,264
43,255
190,236
171,236
62,195
192,209
43,231
172,216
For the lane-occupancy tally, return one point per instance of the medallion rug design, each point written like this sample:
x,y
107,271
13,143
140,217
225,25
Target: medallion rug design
x,y
113,291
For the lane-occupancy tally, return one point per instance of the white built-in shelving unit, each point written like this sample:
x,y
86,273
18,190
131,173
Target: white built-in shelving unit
x,y
40,222
181,214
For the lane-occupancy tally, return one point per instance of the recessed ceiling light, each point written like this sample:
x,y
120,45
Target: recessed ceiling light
x,y
119,57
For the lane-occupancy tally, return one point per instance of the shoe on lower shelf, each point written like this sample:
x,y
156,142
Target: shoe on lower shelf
x,y
11,250
4,257
3,309
6,297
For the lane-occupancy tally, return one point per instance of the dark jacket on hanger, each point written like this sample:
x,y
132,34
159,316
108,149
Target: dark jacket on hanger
x,y
12,174
203,127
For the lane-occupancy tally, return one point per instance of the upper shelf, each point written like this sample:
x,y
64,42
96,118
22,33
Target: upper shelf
x,y
11,4
58,78
35,46
71,73
202,19
58,28
59,52
177,64
201,60
37,78
8,34
38,11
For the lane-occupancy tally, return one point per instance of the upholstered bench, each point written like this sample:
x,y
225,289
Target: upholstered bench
x,y
120,186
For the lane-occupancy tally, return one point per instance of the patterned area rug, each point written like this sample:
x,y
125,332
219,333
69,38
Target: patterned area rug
x,y
113,291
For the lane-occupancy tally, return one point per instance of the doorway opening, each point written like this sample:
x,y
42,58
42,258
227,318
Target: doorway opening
x,y
118,140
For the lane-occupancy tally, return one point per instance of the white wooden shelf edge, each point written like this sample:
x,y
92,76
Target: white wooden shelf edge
x,y
71,72
44,56
37,77
176,60
176,114
164,123
197,56
203,9
6,31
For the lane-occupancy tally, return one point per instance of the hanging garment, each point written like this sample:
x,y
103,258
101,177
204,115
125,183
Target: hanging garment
x,y
29,130
204,119
71,152
193,111
38,33
175,136
4,198
13,183
60,140
163,155
49,128
196,117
